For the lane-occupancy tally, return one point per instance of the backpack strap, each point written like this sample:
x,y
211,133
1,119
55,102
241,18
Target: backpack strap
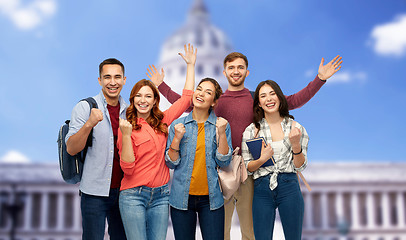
x,y
89,142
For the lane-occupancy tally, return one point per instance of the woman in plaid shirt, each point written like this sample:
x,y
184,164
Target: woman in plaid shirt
x,y
276,186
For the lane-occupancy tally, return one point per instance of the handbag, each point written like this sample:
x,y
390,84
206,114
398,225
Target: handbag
x,y
231,176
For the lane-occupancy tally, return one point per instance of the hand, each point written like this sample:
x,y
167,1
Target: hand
x,y
179,131
190,54
328,70
294,135
125,126
266,151
221,124
155,76
96,116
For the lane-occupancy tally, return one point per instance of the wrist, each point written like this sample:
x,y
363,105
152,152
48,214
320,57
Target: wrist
x,y
296,151
174,149
321,77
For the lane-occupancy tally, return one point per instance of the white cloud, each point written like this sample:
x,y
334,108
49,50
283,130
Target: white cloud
x,y
347,77
28,16
13,156
389,39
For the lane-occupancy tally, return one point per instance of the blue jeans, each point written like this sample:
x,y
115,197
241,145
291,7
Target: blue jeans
x,y
95,210
287,197
211,221
145,212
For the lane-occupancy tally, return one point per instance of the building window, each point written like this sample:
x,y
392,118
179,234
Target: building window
x,y
200,69
217,70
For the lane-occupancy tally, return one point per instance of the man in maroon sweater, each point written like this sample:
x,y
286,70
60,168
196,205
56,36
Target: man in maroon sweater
x,y
235,105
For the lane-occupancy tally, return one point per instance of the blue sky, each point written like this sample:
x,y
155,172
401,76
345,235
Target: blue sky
x,y
50,51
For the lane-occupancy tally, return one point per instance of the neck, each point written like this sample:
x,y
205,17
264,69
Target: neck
x,y
111,101
273,118
200,115
235,88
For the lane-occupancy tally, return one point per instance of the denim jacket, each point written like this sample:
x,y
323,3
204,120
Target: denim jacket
x,y
183,166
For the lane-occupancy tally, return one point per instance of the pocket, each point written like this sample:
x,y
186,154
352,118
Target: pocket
x,y
289,177
258,181
139,141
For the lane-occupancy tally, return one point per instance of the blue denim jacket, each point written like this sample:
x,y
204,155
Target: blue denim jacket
x,y
183,166
98,166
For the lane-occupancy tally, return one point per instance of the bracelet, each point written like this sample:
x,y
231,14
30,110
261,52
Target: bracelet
x,y
298,152
173,149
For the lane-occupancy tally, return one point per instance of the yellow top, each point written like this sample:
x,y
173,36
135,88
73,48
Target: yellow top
x,y
198,183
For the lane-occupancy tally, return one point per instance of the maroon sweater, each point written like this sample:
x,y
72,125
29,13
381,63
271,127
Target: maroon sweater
x,y
236,106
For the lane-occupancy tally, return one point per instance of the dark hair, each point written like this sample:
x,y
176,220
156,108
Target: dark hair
x,y
217,88
110,61
233,56
155,117
283,106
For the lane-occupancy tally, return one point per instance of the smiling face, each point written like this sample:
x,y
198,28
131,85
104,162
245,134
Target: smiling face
x,y
236,72
204,95
112,81
144,101
268,99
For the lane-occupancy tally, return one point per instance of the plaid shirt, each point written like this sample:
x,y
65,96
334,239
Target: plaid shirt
x,y
285,162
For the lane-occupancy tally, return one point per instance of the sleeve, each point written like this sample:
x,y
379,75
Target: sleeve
x,y
179,107
128,168
246,155
224,160
80,114
171,164
170,95
304,142
300,98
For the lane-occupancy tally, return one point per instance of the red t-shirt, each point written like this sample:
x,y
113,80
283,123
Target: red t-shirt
x,y
117,173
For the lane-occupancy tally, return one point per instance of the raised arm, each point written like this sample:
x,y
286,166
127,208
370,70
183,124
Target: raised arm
x,y
300,98
190,59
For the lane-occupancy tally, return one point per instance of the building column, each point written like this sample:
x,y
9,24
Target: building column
x,y
60,211
324,210
77,217
400,206
371,216
385,210
355,223
44,211
339,206
28,211
309,210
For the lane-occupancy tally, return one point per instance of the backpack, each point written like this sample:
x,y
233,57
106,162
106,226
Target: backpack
x,y
72,166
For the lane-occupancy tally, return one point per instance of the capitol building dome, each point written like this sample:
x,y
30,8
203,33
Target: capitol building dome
x,y
212,44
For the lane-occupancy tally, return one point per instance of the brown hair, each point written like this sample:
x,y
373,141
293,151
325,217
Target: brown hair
x,y
111,61
233,56
283,106
155,117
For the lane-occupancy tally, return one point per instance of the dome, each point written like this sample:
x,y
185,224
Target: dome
x,y
212,44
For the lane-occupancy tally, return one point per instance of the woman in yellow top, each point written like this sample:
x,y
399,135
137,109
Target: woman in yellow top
x,y
194,153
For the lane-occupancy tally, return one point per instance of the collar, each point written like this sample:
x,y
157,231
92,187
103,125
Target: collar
x,y
123,104
211,119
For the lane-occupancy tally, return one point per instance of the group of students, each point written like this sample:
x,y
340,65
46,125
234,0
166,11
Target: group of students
x,y
126,172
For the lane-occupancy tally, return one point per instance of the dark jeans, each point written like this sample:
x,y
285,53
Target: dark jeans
x,y
287,197
95,210
211,221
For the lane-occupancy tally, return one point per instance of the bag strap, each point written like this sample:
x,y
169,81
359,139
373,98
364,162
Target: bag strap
x,y
89,142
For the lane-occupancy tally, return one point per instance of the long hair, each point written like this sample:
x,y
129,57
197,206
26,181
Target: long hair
x,y
155,117
283,106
